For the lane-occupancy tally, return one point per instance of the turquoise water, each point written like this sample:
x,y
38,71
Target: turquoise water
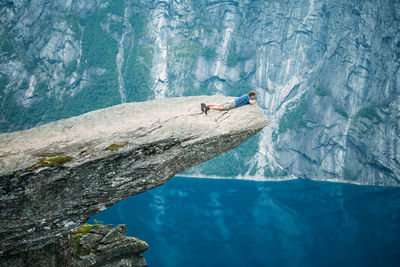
x,y
210,222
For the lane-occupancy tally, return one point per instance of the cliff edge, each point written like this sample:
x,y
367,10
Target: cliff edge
x,y
54,177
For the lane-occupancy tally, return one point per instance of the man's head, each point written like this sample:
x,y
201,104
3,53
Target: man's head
x,y
252,94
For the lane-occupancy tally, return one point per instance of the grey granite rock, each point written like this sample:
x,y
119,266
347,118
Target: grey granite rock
x,y
101,230
114,234
119,250
90,240
109,155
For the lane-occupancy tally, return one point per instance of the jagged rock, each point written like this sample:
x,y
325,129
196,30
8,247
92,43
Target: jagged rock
x,y
112,236
101,230
60,253
121,247
90,240
54,177
115,249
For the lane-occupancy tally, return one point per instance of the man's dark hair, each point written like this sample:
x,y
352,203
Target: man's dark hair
x,y
252,93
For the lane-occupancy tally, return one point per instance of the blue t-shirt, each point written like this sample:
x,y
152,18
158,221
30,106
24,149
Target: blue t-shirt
x,y
243,100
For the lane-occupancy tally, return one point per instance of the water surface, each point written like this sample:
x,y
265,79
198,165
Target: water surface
x,y
213,222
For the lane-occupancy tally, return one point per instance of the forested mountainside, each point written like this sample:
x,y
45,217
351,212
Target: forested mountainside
x,y
326,74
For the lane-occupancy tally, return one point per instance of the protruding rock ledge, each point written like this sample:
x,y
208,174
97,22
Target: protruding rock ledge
x,y
54,177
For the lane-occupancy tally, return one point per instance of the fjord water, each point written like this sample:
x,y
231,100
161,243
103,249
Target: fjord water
x,y
215,222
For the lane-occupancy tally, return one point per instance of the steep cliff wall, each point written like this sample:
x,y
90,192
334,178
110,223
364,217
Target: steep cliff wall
x,y
326,73
54,177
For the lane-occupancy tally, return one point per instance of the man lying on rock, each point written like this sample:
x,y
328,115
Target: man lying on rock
x,y
243,100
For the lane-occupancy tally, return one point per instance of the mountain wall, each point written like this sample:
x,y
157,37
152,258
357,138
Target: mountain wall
x,y
326,73
55,176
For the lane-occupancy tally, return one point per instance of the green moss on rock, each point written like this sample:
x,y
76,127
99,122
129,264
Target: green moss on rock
x,y
115,147
59,160
78,234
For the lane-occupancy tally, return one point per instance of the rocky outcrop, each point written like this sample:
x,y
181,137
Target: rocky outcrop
x,y
59,253
54,177
326,72
107,246
90,245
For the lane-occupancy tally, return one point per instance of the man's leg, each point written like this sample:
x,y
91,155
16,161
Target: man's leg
x,y
216,107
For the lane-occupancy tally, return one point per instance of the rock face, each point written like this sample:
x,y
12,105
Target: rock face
x,y
54,177
326,72
111,247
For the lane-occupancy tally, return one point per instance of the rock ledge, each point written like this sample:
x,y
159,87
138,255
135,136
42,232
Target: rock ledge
x,y
54,177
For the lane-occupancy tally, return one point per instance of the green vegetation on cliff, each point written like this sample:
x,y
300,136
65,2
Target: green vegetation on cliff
x,y
96,67
59,160
293,118
137,64
342,112
79,233
233,58
321,92
6,45
370,113
232,163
